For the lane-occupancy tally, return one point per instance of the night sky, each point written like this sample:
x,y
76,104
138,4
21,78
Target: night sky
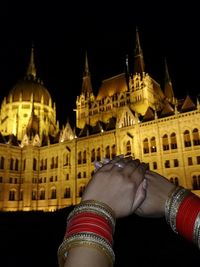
x,y
63,30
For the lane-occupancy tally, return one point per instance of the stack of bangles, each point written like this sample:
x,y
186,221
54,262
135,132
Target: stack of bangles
x,y
90,224
182,213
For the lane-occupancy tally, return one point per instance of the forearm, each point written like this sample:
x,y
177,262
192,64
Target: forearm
x,y
89,236
77,256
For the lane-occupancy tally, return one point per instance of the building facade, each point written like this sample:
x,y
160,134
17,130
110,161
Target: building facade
x,y
46,168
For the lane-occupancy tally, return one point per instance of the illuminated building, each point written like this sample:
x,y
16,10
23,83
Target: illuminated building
x,y
45,168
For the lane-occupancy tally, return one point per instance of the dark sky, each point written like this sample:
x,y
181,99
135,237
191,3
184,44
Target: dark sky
x,y
63,30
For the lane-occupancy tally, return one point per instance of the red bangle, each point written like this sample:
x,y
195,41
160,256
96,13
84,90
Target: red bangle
x,y
186,216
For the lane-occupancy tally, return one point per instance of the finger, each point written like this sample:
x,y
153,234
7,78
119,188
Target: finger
x,y
97,165
140,195
106,160
138,175
130,167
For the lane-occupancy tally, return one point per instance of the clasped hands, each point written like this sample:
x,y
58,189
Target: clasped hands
x,y
127,186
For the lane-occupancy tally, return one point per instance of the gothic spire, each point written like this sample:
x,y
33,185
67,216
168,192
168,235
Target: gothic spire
x,y
31,71
139,61
168,89
86,83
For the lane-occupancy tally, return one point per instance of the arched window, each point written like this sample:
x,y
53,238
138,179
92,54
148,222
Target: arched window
x,y
187,139
34,195
194,183
11,164
41,165
52,162
98,154
45,165
53,193
84,157
173,141
24,165
67,193
21,195
153,144
1,163
128,148
108,152
79,175
81,190
93,155
155,166
195,135
165,142
56,166
16,165
146,146
42,194
113,151
12,195
79,157
34,164
176,181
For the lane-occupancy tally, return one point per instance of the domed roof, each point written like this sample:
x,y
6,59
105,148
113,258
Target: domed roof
x,y
29,88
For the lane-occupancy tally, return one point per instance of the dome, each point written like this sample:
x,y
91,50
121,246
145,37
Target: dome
x,y
28,88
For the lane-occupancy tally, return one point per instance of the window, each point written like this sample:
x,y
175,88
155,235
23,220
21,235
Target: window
x,y
165,142
98,154
190,161
195,134
198,159
11,164
167,164
128,148
93,155
174,181
67,176
12,195
53,193
196,182
108,152
42,194
153,144
81,190
155,165
146,146
84,157
114,151
1,179
176,163
34,195
67,193
16,165
187,140
1,163
173,141
34,164
21,195
79,157
79,175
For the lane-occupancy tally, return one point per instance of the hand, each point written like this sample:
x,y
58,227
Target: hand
x,y
157,193
119,184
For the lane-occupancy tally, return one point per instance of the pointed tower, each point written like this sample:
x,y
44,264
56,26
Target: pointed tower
x,y
168,89
138,58
31,71
86,98
86,83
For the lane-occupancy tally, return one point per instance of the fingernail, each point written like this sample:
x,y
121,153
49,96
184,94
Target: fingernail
x,y
98,164
106,160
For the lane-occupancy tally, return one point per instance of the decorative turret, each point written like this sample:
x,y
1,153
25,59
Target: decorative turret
x,y
168,89
86,84
31,71
138,58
